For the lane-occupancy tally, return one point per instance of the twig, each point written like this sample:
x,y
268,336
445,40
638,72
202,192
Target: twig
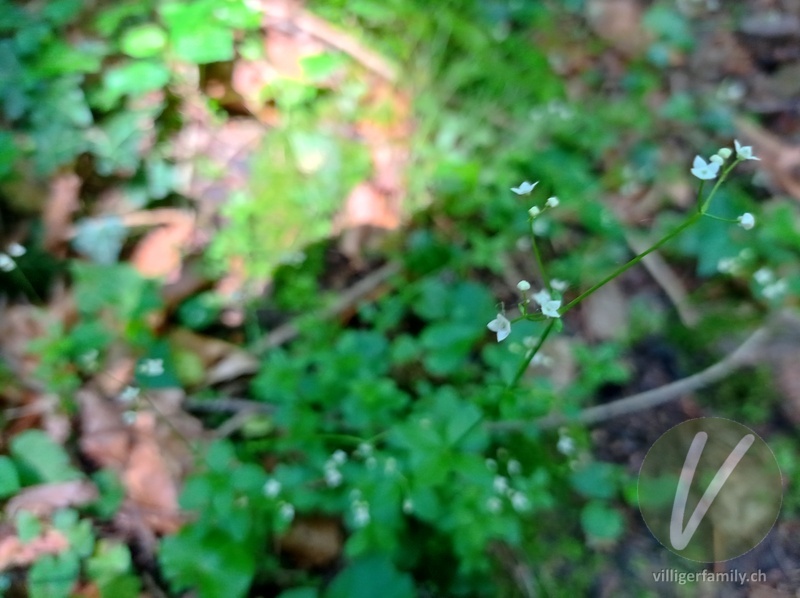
x,y
283,334
745,354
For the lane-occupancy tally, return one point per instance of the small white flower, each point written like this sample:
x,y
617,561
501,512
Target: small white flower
x,y
747,221
763,276
355,494
500,484
333,477
542,360
339,457
6,263
525,188
272,488
491,464
286,511
501,326
519,501
724,153
559,285
129,417
390,466
129,394
152,367
552,202
524,285
744,152
775,290
534,212
727,265
15,250
542,297
361,516
514,467
364,449
565,445
494,505
408,506
716,159
703,170
550,308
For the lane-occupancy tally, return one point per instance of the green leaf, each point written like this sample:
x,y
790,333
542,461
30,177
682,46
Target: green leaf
x,y
110,560
133,78
100,239
28,526
46,460
53,576
143,41
300,593
596,480
211,562
205,45
9,478
601,521
371,576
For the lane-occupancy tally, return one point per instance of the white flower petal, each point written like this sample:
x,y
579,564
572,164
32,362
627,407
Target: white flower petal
x,y
747,221
550,308
501,326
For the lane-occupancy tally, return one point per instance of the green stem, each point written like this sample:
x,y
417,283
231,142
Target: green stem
x,y
540,262
531,354
689,222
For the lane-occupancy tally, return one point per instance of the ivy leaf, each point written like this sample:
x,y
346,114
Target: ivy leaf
x,y
45,460
371,576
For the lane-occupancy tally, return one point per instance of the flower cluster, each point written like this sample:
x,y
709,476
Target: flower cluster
x,y
501,487
333,477
706,171
7,261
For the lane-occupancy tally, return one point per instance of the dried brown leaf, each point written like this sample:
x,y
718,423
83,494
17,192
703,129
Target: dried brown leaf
x,y
44,499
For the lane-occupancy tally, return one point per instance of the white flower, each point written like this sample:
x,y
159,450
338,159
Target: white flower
x,y
272,488
717,159
361,515
542,297
286,511
500,484
746,221
763,276
6,263
774,290
519,501
494,505
501,326
524,285
744,152
514,467
390,466
364,449
15,250
491,464
525,188
534,212
727,265
339,457
565,445
724,153
152,367
333,477
558,285
129,417
550,308
552,202
542,360
408,506
129,394
703,170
